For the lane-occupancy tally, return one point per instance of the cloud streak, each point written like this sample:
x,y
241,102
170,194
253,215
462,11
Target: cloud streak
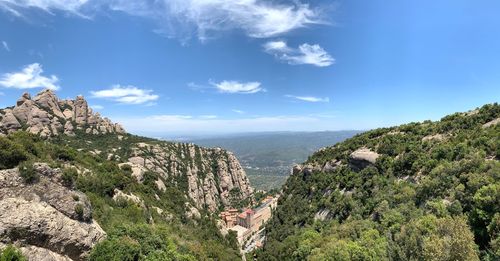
x,y
238,87
28,78
5,46
185,18
256,18
312,54
309,98
17,7
126,94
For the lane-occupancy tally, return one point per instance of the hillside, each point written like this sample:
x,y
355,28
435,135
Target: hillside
x,y
98,192
268,156
420,191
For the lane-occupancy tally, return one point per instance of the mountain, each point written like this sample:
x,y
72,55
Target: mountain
x,y
74,185
420,191
268,156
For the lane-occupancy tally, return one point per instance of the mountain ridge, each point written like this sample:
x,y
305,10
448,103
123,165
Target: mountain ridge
x,y
127,185
418,191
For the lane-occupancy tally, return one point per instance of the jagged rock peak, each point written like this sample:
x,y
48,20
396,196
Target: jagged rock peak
x,y
47,115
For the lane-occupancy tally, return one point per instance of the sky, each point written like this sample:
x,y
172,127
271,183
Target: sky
x,y
170,67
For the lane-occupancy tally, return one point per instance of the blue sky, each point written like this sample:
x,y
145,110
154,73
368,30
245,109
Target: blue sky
x,y
213,66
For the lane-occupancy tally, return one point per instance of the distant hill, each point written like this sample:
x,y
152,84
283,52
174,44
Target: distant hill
x,y
268,156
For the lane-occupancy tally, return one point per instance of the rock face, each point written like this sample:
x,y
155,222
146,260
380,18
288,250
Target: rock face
x,y
48,220
48,116
361,158
213,178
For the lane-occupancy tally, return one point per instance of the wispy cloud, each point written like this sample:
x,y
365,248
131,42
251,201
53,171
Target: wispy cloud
x,y
257,18
238,87
97,107
126,94
238,111
5,46
184,18
208,116
29,77
309,98
304,54
18,7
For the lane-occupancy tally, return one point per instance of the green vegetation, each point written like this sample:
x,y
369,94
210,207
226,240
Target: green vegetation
x,y
432,198
10,253
27,172
134,232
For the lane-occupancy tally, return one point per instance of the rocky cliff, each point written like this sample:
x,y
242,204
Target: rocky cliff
x,y
48,116
50,221
212,178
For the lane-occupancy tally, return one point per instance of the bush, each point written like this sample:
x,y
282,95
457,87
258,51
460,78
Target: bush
x,y
28,172
69,176
10,253
79,210
10,154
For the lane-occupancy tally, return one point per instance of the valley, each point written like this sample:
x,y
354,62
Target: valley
x,y
269,156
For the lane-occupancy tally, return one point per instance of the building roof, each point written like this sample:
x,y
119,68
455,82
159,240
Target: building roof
x,y
239,230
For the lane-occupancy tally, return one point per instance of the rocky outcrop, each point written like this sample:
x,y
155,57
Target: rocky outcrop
x,y
213,177
46,217
491,123
361,158
48,116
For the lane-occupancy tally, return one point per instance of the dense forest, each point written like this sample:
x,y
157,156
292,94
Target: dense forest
x,y
433,193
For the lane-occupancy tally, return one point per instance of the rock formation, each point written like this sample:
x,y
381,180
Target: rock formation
x,y
361,158
48,220
214,176
48,116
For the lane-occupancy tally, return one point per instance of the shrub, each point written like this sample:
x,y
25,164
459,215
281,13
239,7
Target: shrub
x,y
10,154
79,210
28,172
10,253
69,176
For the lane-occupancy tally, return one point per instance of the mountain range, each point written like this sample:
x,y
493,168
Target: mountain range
x,y
76,186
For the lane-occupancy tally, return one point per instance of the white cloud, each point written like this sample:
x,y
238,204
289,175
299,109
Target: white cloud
x,y
29,77
17,7
126,94
208,116
183,18
309,98
257,18
304,54
238,87
238,111
97,107
6,46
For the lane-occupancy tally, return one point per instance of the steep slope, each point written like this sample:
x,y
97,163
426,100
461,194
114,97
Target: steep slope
x,y
46,216
154,199
420,191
